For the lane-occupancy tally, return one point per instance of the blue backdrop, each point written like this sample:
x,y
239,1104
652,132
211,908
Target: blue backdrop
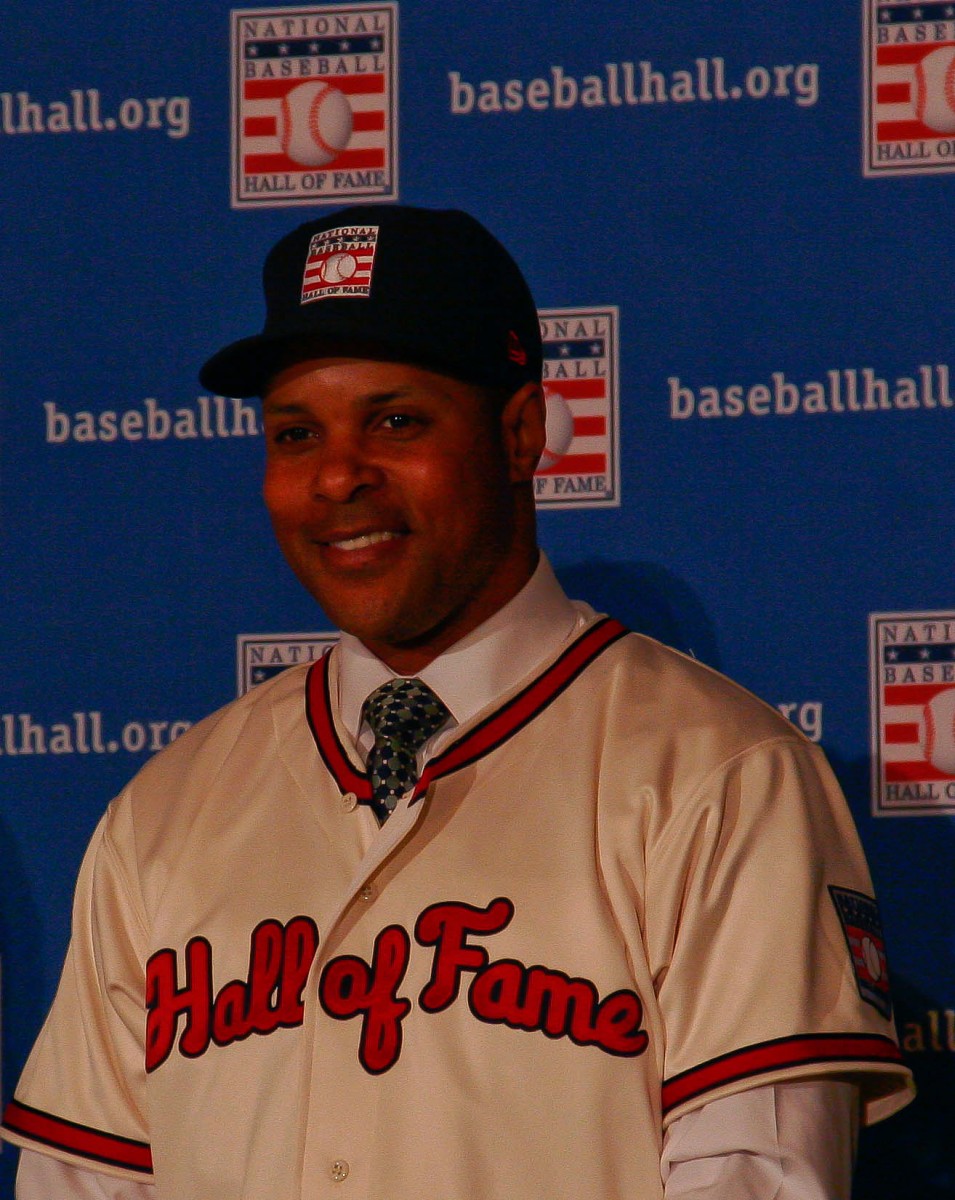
x,y
737,225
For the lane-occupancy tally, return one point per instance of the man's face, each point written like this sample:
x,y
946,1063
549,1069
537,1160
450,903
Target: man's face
x,y
391,491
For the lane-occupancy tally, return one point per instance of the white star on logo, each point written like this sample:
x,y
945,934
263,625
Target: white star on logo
x,y
564,351
925,652
892,655
344,46
283,49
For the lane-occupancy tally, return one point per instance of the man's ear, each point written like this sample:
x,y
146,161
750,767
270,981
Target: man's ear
x,y
523,427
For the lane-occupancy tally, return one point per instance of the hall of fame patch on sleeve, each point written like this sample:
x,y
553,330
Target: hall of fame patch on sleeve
x,y
580,466
314,105
909,89
912,681
862,928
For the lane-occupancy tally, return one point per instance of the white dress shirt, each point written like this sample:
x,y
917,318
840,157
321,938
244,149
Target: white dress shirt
x,y
788,1141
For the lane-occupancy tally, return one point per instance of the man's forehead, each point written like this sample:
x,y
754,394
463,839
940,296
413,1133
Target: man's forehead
x,y
370,381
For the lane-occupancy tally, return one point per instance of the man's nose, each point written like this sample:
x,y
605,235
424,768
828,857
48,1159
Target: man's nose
x,y
342,470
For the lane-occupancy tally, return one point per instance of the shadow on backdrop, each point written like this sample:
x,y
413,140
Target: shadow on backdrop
x,y
911,1156
648,599
23,980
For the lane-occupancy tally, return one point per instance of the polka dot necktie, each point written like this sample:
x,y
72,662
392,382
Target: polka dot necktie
x,y
402,714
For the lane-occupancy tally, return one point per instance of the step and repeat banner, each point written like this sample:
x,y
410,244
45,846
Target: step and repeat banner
x,y
737,224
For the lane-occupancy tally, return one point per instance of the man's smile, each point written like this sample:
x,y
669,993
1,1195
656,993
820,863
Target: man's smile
x,y
361,541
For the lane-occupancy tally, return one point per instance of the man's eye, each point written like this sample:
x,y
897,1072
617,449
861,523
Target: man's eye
x,y
399,421
295,433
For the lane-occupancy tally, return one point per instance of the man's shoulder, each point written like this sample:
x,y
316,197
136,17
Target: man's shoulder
x,y
671,690
257,720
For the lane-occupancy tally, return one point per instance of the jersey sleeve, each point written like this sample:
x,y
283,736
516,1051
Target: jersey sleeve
x,y
81,1097
765,938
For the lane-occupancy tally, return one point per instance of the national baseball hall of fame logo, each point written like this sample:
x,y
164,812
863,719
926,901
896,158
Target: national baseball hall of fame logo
x,y
912,673
580,466
314,105
261,656
909,66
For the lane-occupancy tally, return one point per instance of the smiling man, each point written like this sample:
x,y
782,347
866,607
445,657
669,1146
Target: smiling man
x,y
402,499
498,901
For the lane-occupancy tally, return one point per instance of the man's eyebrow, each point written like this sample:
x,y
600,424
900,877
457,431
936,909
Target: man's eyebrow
x,y
290,406
302,407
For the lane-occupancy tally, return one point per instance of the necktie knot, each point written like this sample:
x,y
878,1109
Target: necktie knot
x,y
402,714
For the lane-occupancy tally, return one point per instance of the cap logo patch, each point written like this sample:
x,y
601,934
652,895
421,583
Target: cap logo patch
x,y
862,927
340,262
515,351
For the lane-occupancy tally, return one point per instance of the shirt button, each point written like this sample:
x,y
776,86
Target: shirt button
x,y
338,1170
349,802
367,892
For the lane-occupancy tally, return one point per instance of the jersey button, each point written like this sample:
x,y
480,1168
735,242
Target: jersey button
x,y
367,893
338,1170
349,802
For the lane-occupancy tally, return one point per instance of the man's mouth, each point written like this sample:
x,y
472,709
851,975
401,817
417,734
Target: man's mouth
x,y
363,540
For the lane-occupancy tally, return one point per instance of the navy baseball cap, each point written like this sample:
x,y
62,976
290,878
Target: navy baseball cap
x,y
424,286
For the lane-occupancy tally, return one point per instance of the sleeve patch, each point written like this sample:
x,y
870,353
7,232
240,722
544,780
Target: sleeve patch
x,y
862,928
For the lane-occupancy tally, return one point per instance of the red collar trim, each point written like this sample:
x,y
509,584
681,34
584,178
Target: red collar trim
x,y
483,738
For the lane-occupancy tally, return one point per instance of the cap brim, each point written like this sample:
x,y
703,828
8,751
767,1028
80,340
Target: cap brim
x,y
243,368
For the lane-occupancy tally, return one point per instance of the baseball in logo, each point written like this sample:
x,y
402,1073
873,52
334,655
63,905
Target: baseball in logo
x,y
912,664
314,104
580,466
314,124
909,88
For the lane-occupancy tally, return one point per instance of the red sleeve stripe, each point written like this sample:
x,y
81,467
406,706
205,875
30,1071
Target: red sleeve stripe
x,y
777,1055
77,1139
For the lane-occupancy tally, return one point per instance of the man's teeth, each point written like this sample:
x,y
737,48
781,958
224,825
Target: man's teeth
x,y
366,539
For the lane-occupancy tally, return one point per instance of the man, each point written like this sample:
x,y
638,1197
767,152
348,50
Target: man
x,y
496,901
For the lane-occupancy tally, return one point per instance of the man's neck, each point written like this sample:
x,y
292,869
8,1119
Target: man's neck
x,y
485,663
411,658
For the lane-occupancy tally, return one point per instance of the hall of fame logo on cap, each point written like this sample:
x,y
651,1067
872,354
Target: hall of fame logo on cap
x,y
909,102
580,466
339,262
314,105
912,674
260,656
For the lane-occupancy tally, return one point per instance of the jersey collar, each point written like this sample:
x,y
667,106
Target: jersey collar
x,y
474,741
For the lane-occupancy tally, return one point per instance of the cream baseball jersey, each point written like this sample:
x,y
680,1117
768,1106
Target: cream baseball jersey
x,y
627,887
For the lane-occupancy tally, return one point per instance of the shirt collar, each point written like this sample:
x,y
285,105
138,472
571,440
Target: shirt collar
x,y
480,667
